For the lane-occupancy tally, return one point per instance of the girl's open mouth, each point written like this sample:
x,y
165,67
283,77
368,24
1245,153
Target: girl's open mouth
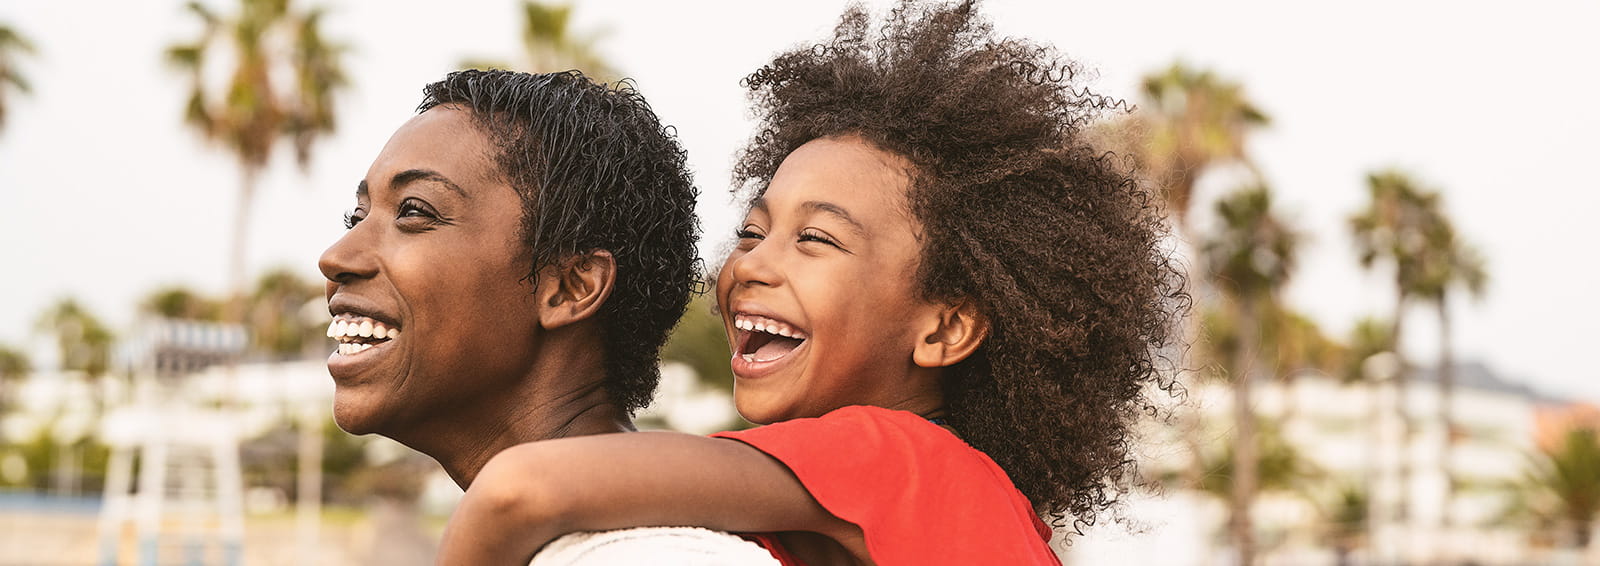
x,y
764,340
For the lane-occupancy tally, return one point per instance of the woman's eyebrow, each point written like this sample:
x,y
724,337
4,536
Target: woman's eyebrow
x,y
835,211
409,176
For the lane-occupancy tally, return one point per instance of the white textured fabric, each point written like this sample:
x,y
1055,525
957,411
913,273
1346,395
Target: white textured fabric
x,y
656,546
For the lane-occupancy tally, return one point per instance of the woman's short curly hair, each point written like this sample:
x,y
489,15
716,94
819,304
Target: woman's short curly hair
x,y
596,170
1058,245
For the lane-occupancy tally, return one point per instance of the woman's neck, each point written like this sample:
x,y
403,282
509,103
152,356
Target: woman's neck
x,y
550,404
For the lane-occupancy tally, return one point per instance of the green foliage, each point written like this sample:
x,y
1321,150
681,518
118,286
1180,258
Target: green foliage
x,y
1290,342
1562,486
1405,224
550,44
1189,119
276,313
177,301
258,105
1279,465
1369,337
14,364
1344,518
42,454
1254,251
12,44
701,342
83,341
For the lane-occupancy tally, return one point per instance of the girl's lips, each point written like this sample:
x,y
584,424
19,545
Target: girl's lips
x,y
751,369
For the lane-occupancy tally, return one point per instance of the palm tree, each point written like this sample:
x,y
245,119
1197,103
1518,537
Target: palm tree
x,y
1253,254
550,45
12,44
1394,228
281,84
1188,121
1449,264
1562,486
276,314
83,341
181,302
14,366
1369,348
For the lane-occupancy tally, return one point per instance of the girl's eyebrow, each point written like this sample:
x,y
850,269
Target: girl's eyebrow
x,y
837,212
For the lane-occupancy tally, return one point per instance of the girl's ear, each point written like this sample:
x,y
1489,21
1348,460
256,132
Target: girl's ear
x,y
573,290
959,332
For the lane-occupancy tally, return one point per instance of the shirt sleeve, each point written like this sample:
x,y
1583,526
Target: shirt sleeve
x,y
919,494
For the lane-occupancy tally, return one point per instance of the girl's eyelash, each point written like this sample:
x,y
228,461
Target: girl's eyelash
x,y
743,233
809,236
350,219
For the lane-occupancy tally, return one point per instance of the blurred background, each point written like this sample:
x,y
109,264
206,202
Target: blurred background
x,y
1386,209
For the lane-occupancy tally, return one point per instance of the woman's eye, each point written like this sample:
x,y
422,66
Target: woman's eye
x,y
353,217
412,208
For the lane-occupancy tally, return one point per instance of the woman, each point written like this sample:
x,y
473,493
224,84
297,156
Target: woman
x,y
517,253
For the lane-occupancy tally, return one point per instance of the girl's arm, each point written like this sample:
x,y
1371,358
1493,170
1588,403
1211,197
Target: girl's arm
x,y
533,493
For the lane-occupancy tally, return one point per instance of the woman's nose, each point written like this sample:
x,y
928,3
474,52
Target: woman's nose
x,y
349,258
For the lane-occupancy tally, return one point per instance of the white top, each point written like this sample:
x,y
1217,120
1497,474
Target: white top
x,y
657,546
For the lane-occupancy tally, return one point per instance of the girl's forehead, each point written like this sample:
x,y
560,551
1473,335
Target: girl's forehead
x,y
838,175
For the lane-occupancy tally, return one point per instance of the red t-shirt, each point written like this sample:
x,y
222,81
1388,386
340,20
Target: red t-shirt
x,y
920,495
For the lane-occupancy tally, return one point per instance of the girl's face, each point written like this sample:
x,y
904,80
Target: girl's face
x,y
819,298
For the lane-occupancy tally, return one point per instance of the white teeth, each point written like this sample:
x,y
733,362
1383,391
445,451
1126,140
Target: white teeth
x,y
757,324
343,325
378,331
332,326
748,357
365,330
394,333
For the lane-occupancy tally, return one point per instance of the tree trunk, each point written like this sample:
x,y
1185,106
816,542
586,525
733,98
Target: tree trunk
x,y
1447,384
1244,442
236,254
1402,411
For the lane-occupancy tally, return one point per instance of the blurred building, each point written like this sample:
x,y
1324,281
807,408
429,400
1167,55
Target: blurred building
x,y
1343,442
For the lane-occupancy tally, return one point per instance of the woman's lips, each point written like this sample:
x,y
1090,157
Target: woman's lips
x,y
361,341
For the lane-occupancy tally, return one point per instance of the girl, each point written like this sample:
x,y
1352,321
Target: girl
x,y
943,304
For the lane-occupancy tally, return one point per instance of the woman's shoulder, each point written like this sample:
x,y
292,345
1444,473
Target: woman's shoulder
x,y
677,546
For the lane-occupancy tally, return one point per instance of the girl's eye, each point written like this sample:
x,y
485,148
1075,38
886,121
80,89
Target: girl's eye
x,y
353,217
746,233
815,236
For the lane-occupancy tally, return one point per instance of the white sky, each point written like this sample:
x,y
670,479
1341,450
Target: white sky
x,y
112,196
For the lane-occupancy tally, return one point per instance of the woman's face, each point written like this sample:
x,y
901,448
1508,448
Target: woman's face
x,y
433,257
819,296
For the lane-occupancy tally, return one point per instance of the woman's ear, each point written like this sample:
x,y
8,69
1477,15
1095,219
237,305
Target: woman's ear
x,y
959,332
573,289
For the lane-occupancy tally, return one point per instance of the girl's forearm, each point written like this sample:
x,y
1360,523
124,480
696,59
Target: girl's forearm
x,y
531,494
